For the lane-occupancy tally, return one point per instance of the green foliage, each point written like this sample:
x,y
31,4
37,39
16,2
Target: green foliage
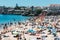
x,y
38,11
17,8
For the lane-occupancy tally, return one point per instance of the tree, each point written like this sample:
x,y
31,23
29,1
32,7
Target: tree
x,y
17,7
38,11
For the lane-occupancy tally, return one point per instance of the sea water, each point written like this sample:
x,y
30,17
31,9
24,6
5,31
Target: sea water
x,y
4,19
12,18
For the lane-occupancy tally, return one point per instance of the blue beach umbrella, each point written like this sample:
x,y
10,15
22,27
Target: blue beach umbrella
x,y
54,30
31,31
42,27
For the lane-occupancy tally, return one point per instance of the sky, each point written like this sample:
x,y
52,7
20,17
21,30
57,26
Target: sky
x,y
12,3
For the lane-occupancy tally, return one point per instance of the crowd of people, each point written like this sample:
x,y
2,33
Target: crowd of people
x,y
42,28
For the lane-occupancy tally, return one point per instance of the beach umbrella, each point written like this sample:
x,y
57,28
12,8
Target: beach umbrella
x,y
54,30
31,31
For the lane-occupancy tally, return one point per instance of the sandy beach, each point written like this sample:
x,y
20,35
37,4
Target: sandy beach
x,y
35,29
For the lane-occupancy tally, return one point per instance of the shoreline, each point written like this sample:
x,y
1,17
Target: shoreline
x,y
9,24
